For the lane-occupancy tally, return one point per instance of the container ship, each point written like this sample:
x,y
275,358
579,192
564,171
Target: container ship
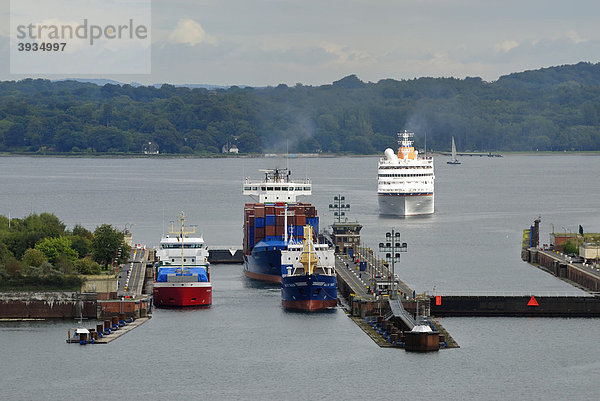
x,y
274,222
405,185
309,282
182,272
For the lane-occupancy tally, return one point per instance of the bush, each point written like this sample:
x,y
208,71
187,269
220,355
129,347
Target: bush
x,y
33,257
87,266
64,265
56,248
13,268
571,248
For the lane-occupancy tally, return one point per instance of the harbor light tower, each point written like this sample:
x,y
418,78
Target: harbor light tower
x,y
392,247
339,208
344,234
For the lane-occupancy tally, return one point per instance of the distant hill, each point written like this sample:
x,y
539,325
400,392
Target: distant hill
x,y
102,82
583,74
556,108
99,82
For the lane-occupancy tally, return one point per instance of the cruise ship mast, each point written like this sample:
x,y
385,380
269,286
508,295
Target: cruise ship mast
x,y
406,151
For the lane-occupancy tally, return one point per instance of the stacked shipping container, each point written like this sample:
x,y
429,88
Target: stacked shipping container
x,y
266,222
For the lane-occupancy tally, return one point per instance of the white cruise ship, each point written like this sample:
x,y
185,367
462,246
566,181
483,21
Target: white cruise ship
x,y
405,180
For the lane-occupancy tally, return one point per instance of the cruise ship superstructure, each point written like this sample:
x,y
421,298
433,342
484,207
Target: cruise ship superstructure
x,y
405,185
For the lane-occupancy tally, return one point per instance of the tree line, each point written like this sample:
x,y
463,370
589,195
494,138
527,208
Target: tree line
x,y
38,251
551,109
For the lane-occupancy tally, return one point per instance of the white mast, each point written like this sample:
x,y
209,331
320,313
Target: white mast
x,y
285,238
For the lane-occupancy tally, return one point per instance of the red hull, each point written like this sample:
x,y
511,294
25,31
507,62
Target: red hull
x,y
263,277
311,305
180,295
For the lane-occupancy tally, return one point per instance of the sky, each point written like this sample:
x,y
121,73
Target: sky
x,y
269,42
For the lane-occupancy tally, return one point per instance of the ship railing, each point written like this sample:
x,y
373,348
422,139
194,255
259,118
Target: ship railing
x,y
302,181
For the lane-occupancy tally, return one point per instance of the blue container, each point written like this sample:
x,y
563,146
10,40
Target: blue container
x,y
299,231
363,266
351,253
270,220
314,222
259,222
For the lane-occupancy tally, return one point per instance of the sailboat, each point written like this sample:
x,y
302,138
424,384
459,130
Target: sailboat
x,y
454,159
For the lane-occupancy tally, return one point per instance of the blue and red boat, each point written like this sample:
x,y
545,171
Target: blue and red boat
x,y
183,272
309,282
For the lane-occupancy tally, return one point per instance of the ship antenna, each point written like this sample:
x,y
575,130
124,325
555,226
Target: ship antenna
x,y
182,217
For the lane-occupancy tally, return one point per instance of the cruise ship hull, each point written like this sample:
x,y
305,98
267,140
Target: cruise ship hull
x,y
406,204
309,292
182,294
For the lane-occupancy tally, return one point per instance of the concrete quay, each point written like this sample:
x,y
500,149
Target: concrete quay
x,y
581,275
368,284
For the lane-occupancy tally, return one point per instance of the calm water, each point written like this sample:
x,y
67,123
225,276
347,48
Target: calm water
x,y
247,347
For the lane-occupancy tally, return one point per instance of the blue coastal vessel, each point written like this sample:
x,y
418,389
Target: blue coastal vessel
x,y
274,222
309,282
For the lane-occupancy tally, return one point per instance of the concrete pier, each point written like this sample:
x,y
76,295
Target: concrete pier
x,y
109,337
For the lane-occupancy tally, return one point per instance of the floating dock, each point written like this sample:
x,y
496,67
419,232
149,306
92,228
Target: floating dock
x,y
104,333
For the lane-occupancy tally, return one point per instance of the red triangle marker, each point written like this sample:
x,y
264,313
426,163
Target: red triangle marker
x,y
533,302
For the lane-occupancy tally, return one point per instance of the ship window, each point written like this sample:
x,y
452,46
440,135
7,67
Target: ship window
x,y
284,188
246,188
269,188
298,188
255,188
193,260
263,188
172,260
307,188
185,260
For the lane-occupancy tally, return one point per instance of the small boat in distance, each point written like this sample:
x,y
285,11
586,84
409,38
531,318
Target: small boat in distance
x,y
454,159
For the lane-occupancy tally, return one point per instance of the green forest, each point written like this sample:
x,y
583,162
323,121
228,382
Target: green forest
x,y
550,109
39,252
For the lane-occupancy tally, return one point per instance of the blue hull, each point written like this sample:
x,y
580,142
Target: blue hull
x,y
264,263
309,292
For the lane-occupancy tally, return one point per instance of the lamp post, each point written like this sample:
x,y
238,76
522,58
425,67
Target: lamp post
x,y
392,249
338,207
